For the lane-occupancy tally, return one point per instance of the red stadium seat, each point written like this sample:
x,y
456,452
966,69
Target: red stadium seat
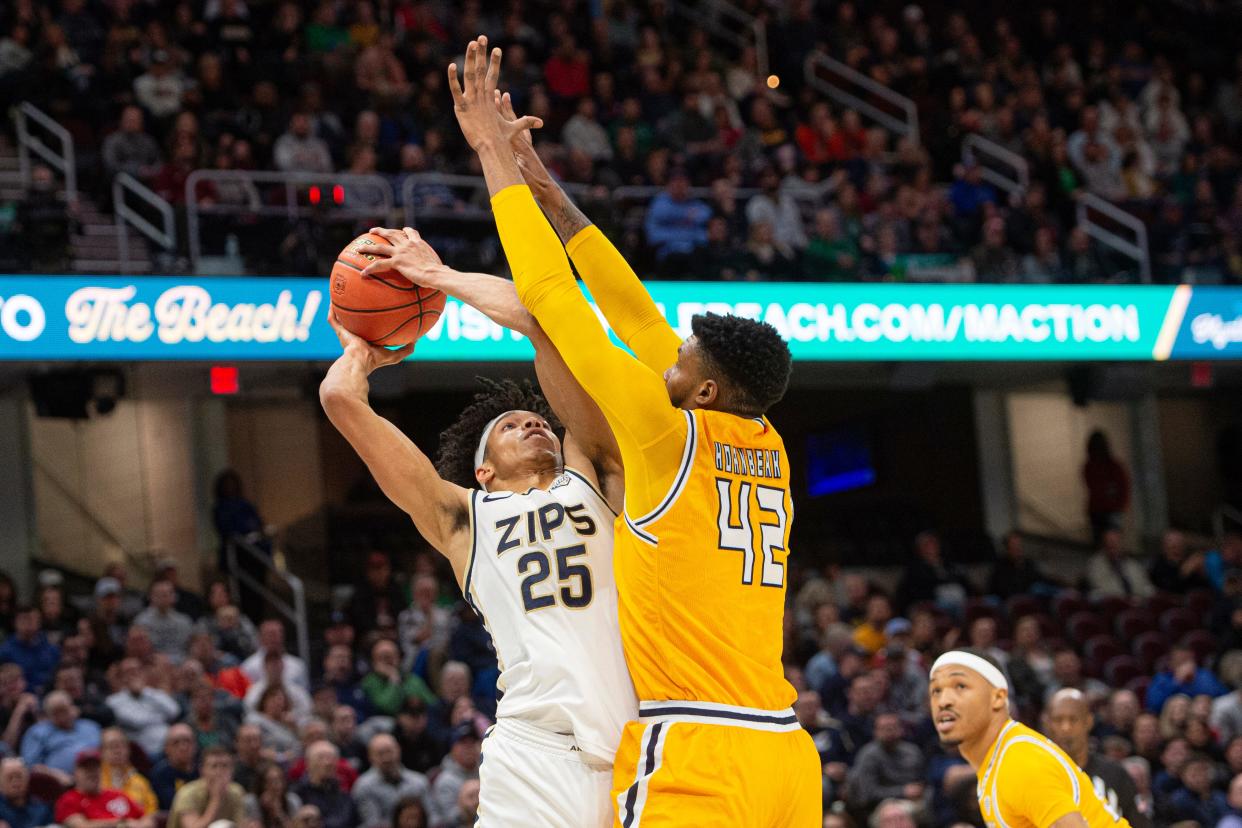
x,y
1111,605
45,787
1149,648
1132,623
1161,602
1097,652
1084,625
1121,670
1020,606
1200,600
1138,686
1202,642
1067,604
1178,621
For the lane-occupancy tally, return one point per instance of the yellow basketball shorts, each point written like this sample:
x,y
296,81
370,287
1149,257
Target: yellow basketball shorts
x,y
718,766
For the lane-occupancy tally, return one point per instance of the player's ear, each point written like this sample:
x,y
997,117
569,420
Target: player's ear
x,y
485,474
1000,699
707,393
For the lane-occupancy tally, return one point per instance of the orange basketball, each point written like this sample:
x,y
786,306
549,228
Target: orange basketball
x,y
383,308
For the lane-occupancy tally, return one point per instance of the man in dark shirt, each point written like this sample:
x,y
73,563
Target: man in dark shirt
x,y
178,765
1069,721
1174,570
320,787
928,577
17,809
1014,573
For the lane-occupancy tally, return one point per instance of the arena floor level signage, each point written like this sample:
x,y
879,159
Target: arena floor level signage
x,y
157,318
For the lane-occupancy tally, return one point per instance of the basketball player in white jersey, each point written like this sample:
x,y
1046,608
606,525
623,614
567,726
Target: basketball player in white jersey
x,y
526,522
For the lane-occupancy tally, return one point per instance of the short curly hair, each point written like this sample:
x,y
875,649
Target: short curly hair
x,y
750,354
459,441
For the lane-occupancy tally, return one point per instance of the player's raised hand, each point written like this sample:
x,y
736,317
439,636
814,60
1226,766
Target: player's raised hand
x,y
474,99
523,146
368,355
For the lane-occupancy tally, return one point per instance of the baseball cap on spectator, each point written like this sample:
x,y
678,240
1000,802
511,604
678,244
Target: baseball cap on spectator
x,y
50,578
463,732
107,586
897,626
87,757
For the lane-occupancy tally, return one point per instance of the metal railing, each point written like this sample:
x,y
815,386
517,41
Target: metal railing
x,y
356,198
726,21
64,161
1107,233
165,235
1001,167
1221,517
238,548
846,85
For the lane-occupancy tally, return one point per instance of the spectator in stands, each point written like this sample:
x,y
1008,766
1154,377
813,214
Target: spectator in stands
x,y
142,712
1083,262
421,749
298,150
584,133
321,788
177,767
130,149
1226,716
213,797
57,740
272,640
118,773
1068,720
423,627
1121,714
778,208
1174,570
86,805
17,808
928,577
343,732
1182,676
169,630
270,802
982,635
212,726
1044,263
1112,572
887,768
248,755
43,224
1014,573
1067,673
970,192
410,813
1108,485
18,708
29,649
385,687
893,813
676,225
460,765
993,260
186,602
1196,800
379,790
274,676
378,600
870,634
274,720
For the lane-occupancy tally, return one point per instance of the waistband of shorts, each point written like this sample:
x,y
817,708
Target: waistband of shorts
x,y
535,736
698,712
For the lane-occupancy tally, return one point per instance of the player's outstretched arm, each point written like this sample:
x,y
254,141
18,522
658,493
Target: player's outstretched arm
x,y
614,285
632,396
589,444
438,508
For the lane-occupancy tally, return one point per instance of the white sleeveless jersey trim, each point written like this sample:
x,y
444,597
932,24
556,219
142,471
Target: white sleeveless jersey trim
x,y
683,474
540,574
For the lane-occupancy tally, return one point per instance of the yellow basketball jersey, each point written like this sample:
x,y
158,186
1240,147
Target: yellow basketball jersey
x,y
1029,782
701,577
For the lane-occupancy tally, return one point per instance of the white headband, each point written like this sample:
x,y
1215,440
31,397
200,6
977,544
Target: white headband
x,y
487,432
971,661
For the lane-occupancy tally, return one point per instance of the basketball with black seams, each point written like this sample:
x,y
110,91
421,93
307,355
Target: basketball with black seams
x,y
382,308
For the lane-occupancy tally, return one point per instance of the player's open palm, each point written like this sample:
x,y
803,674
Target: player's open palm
x,y
474,99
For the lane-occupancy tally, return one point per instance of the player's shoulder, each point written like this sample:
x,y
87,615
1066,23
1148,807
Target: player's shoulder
x,y
1028,754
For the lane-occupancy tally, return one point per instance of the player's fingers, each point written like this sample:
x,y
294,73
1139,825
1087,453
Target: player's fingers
x,y
506,106
384,249
402,352
393,236
492,78
379,266
454,84
411,234
468,71
528,122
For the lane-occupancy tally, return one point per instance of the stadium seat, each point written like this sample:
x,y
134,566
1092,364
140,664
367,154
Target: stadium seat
x,y
1120,670
1202,642
1020,606
1132,623
1067,604
1200,600
1179,621
1149,647
1097,651
45,787
1084,625
1161,602
1111,606
1138,686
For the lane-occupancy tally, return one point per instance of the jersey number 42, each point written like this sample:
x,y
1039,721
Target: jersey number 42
x,y
736,521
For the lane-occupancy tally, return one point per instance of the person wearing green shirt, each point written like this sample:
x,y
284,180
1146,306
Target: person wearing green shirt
x,y
385,687
214,796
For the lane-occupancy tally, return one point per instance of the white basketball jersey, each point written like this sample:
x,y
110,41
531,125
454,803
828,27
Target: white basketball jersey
x,y
540,575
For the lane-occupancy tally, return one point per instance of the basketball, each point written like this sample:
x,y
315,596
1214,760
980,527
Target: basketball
x,y
382,308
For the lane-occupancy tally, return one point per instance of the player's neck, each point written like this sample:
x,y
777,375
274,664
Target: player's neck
x,y
976,751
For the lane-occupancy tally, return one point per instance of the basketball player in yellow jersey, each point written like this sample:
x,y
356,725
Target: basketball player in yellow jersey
x,y
701,554
1025,781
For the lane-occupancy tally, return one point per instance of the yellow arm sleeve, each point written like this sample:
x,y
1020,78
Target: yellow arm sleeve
x,y
650,432
626,304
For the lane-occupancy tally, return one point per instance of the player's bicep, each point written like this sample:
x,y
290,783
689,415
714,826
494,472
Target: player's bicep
x,y
439,509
